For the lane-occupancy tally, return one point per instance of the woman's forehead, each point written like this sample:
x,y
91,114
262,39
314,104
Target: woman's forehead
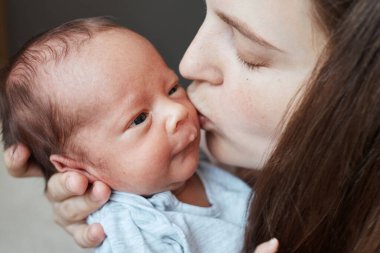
x,y
287,24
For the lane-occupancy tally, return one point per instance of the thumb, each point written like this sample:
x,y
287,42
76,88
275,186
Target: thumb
x,y
270,246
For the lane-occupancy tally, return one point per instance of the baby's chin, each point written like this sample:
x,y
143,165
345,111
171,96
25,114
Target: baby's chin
x,y
174,188
177,187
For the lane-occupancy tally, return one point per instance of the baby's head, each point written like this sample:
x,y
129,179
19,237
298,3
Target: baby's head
x,y
93,97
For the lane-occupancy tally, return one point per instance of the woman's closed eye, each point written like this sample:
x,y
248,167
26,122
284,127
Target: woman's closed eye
x,y
251,65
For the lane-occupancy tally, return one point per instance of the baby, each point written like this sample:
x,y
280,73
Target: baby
x,y
96,98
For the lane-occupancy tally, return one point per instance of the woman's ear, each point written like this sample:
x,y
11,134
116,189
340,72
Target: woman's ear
x,y
63,164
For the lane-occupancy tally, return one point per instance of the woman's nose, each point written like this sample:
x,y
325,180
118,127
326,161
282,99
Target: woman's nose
x,y
201,61
177,114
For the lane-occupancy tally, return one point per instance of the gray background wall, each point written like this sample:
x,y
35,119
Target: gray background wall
x,y
26,222
169,24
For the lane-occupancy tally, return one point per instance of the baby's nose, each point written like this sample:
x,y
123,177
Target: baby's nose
x,y
177,115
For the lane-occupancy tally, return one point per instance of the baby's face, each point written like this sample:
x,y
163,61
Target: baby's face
x,y
144,132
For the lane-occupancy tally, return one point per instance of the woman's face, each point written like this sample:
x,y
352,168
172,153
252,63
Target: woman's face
x,y
247,62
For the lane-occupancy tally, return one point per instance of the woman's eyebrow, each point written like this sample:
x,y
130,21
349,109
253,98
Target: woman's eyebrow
x,y
243,29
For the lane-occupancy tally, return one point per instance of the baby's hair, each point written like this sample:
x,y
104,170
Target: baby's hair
x,y
28,114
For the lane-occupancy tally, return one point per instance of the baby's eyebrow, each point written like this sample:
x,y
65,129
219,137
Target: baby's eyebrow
x,y
173,79
246,31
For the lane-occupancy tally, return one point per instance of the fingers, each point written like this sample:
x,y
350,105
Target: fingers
x,y
270,246
62,186
16,161
76,208
71,198
73,202
86,236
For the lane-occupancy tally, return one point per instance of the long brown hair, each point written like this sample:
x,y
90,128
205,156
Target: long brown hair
x,y
320,189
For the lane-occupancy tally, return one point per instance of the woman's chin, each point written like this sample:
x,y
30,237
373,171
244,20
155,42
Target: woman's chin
x,y
225,153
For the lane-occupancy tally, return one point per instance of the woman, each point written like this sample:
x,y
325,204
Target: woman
x,y
288,86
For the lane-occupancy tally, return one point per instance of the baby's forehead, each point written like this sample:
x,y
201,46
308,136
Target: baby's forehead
x,y
44,56
56,48
116,57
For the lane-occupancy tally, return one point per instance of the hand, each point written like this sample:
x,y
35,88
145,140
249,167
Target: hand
x,y
73,200
270,246
16,161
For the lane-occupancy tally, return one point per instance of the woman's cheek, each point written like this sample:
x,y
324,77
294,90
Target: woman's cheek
x,y
249,108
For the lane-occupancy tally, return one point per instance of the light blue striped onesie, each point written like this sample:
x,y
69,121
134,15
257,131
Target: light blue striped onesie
x,y
161,223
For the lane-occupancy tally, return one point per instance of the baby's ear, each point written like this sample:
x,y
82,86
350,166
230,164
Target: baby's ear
x,y
63,164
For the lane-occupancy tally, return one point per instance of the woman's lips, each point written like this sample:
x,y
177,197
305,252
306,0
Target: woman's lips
x,y
203,121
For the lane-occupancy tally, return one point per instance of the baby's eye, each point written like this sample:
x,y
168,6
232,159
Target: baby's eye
x,y
139,119
174,89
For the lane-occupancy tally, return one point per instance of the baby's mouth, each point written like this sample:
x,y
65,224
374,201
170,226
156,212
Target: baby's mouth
x,y
187,140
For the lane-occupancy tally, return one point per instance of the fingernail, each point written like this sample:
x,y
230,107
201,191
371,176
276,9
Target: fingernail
x,y
273,241
93,234
93,196
14,154
69,183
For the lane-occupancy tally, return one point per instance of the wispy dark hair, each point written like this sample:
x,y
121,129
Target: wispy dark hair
x,y
28,113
